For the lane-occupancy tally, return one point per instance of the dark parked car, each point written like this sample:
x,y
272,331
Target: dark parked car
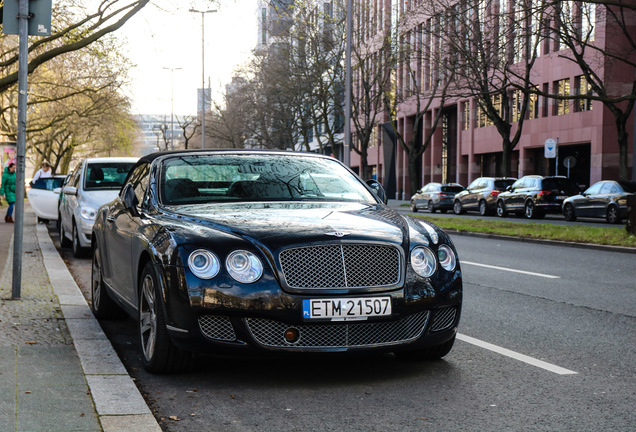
x,y
481,195
534,196
237,252
606,199
435,196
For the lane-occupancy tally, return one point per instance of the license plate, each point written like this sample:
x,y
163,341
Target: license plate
x,y
561,197
346,309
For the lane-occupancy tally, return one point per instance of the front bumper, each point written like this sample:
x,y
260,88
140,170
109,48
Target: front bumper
x,y
85,230
246,319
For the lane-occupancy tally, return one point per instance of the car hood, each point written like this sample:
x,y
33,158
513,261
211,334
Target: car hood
x,y
276,225
97,198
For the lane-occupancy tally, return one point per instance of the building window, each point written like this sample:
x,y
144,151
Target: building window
x,y
588,21
546,100
466,115
483,120
562,88
584,89
373,139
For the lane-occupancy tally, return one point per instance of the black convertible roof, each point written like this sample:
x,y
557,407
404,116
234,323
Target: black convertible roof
x,y
151,157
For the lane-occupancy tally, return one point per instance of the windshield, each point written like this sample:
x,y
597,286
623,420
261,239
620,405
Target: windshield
x,y
106,175
232,178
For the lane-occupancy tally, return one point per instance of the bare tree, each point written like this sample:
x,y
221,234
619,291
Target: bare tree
x,y
189,124
602,64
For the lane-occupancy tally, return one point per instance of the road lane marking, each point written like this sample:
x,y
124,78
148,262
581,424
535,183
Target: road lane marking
x,y
515,355
511,270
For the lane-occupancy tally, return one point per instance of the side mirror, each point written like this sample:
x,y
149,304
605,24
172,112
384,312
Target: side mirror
x,y
378,190
57,190
130,199
509,188
70,190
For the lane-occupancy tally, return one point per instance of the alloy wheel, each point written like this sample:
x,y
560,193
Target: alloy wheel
x,y
413,207
501,209
612,215
430,208
96,285
483,210
457,207
530,210
568,213
148,318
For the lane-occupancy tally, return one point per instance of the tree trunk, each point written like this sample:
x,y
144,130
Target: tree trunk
x,y
413,180
364,165
506,159
621,122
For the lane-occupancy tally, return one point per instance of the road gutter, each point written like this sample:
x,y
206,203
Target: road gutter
x,y
119,404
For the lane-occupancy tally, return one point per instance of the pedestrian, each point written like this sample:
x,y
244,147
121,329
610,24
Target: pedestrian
x,y
43,172
7,190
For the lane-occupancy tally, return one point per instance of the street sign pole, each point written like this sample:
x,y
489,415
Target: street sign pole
x,y
557,158
23,73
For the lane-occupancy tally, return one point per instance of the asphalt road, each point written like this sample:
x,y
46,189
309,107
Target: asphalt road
x,y
572,314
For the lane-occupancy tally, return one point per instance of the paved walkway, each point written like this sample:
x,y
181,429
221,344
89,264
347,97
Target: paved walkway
x,y
58,371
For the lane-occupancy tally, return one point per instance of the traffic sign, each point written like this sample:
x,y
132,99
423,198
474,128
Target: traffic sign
x,y
39,17
569,162
550,148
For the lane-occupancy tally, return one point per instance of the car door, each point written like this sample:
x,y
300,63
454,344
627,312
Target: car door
x,y
602,199
468,197
422,199
477,193
70,201
43,199
120,227
515,196
583,202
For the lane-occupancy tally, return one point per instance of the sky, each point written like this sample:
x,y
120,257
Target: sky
x,y
170,37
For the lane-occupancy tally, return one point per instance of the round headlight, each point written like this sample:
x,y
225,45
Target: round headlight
x,y
88,213
204,264
446,257
423,261
244,266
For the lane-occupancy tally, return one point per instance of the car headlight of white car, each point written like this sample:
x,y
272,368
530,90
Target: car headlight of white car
x,y
88,213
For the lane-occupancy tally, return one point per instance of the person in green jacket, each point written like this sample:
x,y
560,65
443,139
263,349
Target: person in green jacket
x,y
7,190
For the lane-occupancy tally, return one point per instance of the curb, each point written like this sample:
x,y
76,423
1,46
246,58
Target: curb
x,y
606,248
119,405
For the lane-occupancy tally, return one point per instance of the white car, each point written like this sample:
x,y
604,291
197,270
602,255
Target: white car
x,y
95,182
44,195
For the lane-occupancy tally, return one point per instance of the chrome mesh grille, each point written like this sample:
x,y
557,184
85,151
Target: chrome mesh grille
x,y
270,333
444,318
341,266
217,327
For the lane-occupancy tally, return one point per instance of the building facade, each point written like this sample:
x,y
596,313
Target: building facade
x,y
465,145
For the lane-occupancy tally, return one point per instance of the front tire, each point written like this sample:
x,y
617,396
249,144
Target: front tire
x,y
457,207
568,213
612,216
431,353
159,354
413,207
102,305
431,207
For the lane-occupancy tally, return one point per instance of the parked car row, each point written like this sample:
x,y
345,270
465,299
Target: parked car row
x,y
532,196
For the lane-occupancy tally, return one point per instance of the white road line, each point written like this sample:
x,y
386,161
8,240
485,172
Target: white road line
x,y
511,270
515,355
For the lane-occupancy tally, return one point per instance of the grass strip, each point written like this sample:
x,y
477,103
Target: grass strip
x,y
568,233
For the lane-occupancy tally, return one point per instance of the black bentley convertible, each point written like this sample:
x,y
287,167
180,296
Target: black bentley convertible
x,y
231,252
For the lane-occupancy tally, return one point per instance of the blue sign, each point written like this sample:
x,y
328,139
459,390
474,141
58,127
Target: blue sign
x,y
306,309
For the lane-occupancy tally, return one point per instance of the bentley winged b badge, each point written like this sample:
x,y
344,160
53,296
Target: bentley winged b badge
x,y
337,234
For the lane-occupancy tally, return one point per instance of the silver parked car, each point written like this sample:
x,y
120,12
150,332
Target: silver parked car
x,y
95,182
435,196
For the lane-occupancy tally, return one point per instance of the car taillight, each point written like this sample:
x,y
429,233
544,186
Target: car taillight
x,y
443,195
494,192
544,193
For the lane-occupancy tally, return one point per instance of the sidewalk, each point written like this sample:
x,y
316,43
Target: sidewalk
x,y
58,371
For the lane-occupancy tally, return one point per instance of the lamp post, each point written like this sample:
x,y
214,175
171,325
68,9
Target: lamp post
x,y
347,130
203,71
172,105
